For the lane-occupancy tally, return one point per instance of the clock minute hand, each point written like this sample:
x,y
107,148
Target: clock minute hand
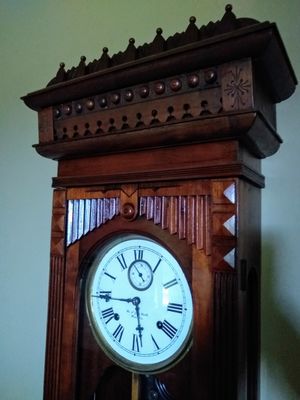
x,y
107,297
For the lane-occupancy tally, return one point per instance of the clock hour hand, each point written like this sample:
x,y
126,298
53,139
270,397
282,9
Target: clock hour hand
x,y
139,273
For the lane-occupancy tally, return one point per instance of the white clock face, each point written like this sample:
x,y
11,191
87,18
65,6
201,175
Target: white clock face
x,y
139,304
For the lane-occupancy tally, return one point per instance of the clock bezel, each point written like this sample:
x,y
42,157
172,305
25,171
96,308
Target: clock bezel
x,y
99,251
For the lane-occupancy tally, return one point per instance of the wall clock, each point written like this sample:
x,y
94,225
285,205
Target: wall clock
x,y
139,304
155,241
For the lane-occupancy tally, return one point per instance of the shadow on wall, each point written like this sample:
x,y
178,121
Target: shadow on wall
x,y
280,339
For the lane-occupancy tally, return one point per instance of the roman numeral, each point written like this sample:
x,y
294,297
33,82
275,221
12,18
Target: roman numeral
x,y
170,283
138,254
108,314
135,343
155,343
175,307
118,333
105,293
122,261
155,268
112,277
168,329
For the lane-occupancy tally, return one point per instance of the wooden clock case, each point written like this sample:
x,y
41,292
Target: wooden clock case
x,y
165,139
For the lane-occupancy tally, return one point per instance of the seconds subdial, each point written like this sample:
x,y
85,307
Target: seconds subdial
x,y
140,275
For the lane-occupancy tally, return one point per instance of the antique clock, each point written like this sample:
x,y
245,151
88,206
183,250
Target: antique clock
x,y
153,300
155,242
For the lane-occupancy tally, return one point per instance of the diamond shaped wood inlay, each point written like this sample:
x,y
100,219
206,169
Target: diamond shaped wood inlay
x,y
229,193
230,258
230,225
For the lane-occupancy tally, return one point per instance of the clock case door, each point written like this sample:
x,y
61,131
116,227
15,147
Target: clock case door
x,y
199,222
92,370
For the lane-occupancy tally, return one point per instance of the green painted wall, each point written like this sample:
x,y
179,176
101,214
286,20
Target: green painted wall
x,y
35,36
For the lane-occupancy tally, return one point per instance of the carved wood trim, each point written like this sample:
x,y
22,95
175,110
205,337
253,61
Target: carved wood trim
x,y
58,223
56,292
224,224
129,201
197,172
136,116
225,335
243,126
54,328
217,42
45,118
186,216
192,34
84,215
237,86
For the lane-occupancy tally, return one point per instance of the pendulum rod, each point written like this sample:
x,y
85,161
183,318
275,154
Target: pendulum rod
x,y
135,386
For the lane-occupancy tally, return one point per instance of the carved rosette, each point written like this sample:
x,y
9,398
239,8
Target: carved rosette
x,y
237,86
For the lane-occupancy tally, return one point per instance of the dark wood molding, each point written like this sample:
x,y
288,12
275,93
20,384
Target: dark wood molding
x,y
264,44
246,127
201,172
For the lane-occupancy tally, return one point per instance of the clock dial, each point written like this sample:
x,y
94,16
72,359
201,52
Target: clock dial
x,y
140,274
139,304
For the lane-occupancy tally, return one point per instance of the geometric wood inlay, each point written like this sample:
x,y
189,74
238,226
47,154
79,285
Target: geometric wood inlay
x,y
230,225
230,258
57,245
224,224
223,257
224,192
229,193
58,223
